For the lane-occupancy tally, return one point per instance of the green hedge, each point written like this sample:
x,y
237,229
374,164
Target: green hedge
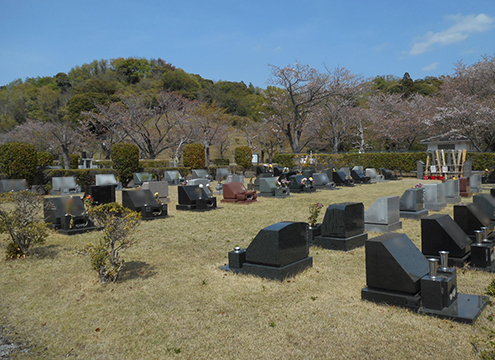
x,y
285,160
221,162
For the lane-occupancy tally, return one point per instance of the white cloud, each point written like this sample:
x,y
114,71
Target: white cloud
x,y
432,66
463,27
277,49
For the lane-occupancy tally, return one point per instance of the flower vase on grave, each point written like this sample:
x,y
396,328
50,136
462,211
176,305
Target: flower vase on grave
x,y
313,231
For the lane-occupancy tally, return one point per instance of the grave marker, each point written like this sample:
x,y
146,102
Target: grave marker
x,y
383,215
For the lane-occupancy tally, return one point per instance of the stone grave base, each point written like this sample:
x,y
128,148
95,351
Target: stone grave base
x,y
277,273
152,212
436,206
465,309
329,186
279,193
341,244
466,194
200,205
453,200
382,228
392,298
415,215
303,190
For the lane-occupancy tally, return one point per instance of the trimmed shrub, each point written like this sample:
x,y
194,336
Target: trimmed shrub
x,y
243,156
74,161
221,162
193,156
19,160
125,158
285,160
45,158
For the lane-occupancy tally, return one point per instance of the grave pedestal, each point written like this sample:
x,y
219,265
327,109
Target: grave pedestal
x,y
59,211
470,217
483,256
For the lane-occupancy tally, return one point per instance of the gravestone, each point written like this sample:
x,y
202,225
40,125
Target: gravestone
x,y
346,171
387,174
452,191
173,177
256,184
194,197
300,184
64,186
468,168
464,188
236,192
492,192
475,183
358,176
470,218
139,178
101,194
144,202
201,174
321,181
341,179
107,179
435,196
278,170
342,228
398,274
67,215
486,203
86,160
383,215
411,205
13,185
307,173
205,183
420,169
374,176
491,178
160,187
234,178
222,174
278,251
439,232
270,186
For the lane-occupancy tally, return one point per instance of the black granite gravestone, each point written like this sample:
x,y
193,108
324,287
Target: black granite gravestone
x,y
483,252
439,232
387,174
486,203
411,205
144,202
398,274
300,184
278,170
490,179
492,192
307,173
343,227
470,218
102,194
67,215
359,177
278,251
341,179
194,197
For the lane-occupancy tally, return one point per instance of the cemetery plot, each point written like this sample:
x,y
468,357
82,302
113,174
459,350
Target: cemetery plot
x,y
194,197
341,179
322,182
101,194
452,191
144,202
158,187
374,176
278,251
383,215
342,228
470,218
271,187
13,185
387,174
139,178
236,192
483,251
411,205
475,183
173,177
67,215
398,274
222,174
435,197
201,174
64,186
107,179
464,188
358,176
300,184
486,203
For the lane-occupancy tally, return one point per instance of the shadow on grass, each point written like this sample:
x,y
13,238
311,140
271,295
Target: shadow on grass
x,y
137,270
49,251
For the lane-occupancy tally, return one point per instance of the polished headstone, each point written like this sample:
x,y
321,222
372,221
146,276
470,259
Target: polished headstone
x,y
200,174
346,171
173,177
464,188
307,173
277,170
359,177
67,215
205,183
388,174
486,202
439,232
160,187
475,183
341,179
321,181
194,197
101,194
470,218
383,215
234,178
300,183
358,168
107,179
13,185
435,197
144,202
140,178
222,173
452,191
412,200
64,186
374,176
491,178
269,186
237,192
420,169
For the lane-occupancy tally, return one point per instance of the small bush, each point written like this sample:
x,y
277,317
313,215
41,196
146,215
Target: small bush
x,y
125,158
285,160
118,224
19,160
74,161
193,156
45,159
21,219
243,157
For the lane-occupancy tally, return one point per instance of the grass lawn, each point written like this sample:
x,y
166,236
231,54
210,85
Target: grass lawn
x,y
172,301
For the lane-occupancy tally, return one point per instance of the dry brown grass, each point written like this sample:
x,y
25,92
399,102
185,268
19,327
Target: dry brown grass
x,y
174,302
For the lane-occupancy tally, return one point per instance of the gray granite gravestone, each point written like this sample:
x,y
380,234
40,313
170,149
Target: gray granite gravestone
x,y
321,181
475,183
67,215
194,197
222,174
343,227
140,178
160,187
374,176
234,178
205,183
269,186
278,251
420,170
383,215
435,196
173,177
144,202
411,204
439,232
107,179
201,174
13,185
64,186
398,274
452,191
468,168
486,202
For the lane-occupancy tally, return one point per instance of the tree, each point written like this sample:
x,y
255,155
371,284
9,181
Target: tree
x,y
18,160
243,157
118,224
125,158
304,88
22,220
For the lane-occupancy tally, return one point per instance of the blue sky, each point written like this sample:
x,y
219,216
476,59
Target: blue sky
x,y
237,40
